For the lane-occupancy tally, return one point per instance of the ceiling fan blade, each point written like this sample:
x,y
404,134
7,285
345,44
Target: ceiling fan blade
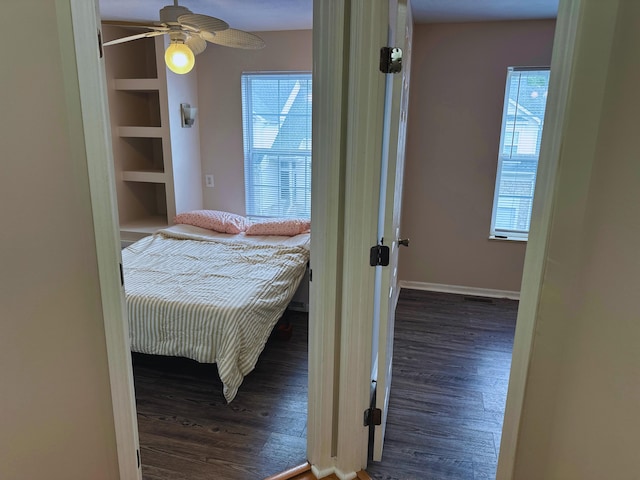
x,y
196,44
235,39
133,37
203,23
127,24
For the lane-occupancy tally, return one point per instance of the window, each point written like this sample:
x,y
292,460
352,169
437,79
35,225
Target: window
x,y
276,112
522,122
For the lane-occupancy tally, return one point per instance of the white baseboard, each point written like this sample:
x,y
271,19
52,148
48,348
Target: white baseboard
x,y
328,471
321,473
345,476
477,292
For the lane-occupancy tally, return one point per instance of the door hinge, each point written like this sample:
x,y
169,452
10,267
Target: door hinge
x,y
138,456
100,43
121,276
379,255
390,60
372,416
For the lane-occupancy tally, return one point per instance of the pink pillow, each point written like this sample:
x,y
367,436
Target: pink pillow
x,y
222,222
279,226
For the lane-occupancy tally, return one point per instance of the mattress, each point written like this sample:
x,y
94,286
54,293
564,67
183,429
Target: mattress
x,y
211,297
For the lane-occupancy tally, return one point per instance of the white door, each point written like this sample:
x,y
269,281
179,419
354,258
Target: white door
x,y
393,150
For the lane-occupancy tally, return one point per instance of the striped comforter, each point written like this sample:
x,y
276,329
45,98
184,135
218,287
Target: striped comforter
x,y
211,297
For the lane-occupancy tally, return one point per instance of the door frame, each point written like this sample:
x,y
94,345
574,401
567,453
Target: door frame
x,y
97,133
348,108
348,104
564,46
329,37
368,32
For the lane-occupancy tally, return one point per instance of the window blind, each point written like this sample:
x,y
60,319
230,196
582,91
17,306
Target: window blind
x,y
521,133
277,144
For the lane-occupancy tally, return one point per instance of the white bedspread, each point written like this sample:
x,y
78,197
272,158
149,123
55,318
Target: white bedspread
x,y
211,297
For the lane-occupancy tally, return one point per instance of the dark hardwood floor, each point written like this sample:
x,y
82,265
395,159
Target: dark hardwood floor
x,y
187,431
452,356
450,375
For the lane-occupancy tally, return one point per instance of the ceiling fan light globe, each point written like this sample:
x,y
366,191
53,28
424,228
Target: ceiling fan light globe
x,y
179,58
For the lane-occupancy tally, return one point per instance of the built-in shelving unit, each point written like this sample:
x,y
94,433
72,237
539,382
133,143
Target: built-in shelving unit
x,y
156,162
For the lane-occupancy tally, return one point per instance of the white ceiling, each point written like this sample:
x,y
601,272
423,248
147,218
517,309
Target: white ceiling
x,y
264,15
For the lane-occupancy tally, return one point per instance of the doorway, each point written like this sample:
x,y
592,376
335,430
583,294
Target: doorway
x,y
168,390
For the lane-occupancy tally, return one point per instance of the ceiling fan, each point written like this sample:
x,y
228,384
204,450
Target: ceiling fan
x,y
189,33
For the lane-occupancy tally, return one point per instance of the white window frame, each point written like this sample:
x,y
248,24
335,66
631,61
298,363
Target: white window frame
x,y
298,169
502,233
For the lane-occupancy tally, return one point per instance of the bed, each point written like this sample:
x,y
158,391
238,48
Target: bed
x,y
209,296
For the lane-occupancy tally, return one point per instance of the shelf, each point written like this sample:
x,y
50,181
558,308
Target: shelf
x,y
148,176
144,200
129,59
137,108
137,229
145,225
140,154
149,185
137,84
136,102
146,132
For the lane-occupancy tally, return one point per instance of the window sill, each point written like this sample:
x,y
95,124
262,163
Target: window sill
x,y
501,238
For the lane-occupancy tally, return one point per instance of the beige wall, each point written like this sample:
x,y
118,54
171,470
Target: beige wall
x,y
56,418
220,108
457,93
580,416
